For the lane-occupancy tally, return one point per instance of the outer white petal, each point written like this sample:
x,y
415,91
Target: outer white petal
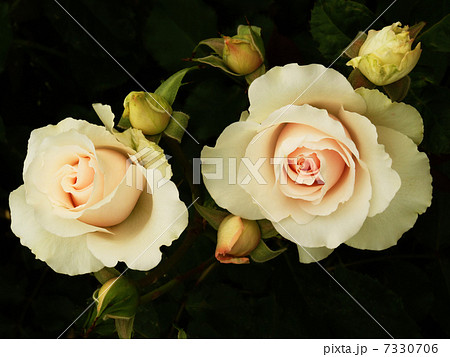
x,y
97,134
293,84
63,224
398,116
105,114
332,230
66,255
385,181
229,150
414,196
158,219
313,255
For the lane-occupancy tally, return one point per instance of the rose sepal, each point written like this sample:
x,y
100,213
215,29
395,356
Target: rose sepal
x,y
262,253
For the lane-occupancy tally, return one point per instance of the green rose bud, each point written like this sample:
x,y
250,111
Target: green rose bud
x,y
236,238
386,55
240,55
117,298
148,112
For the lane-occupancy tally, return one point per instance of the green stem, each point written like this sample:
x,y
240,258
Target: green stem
x,y
154,294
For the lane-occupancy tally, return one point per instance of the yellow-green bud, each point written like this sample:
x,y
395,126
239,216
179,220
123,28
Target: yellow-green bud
x,y
386,55
148,112
236,238
103,292
117,298
240,55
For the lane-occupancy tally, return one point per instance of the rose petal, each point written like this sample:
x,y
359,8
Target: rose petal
x,y
398,116
268,194
230,145
65,255
293,84
105,114
385,181
414,196
158,219
118,205
318,119
332,230
313,255
95,133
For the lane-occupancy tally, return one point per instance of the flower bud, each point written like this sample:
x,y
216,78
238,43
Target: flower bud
x,y
236,238
148,112
240,55
386,56
117,298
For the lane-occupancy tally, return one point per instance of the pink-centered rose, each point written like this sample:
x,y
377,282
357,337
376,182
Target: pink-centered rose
x,y
84,205
325,163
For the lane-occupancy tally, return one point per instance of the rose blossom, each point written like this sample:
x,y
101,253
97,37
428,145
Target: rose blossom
x,y
335,165
386,56
83,206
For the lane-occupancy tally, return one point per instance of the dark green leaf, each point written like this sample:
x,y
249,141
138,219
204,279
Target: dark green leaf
x,y
437,38
335,22
172,30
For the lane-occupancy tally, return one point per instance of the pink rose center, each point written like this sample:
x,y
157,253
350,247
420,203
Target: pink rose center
x,y
77,180
304,168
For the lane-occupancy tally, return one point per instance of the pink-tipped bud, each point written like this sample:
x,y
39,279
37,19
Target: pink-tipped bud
x,y
236,238
240,55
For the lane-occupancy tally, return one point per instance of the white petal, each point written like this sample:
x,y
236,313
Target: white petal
x,y
65,255
268,195
398,116
158,219
118,205
97,134
293,84
318,119
313,255
385,181
229,150
332,230
105,114
414,196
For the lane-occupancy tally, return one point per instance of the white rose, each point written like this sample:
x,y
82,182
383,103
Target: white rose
x,y
386,55
84,206
345,168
